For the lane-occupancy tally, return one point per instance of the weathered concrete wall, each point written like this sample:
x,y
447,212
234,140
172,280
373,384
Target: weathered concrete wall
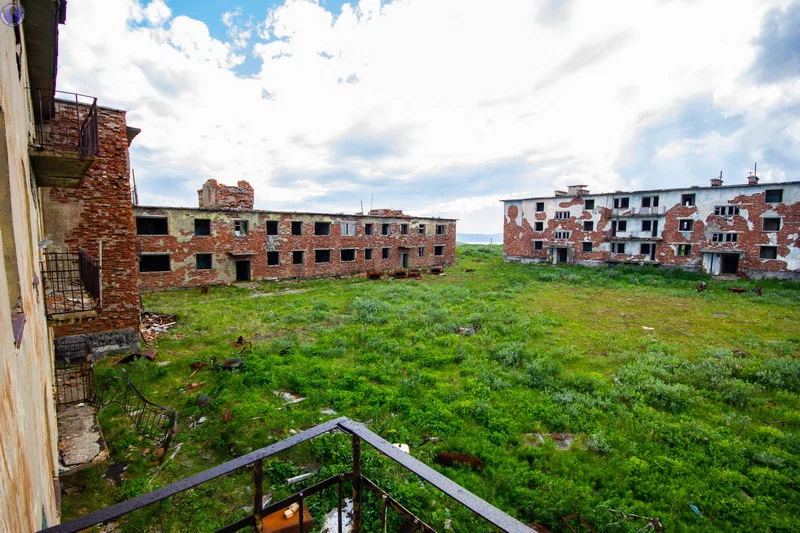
x,y
521,231
28,435
182,245
98,211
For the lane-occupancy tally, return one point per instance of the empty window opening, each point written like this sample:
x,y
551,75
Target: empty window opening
x,y
240,228
774,196
422,229
421,251
347,255
726,210
649,201
440,229
539,226
647,248
368,254
404,229
322,256
385,253
273,258
684,249
154,263
151,226
687,199
297,257
618,247
589,205
685,225
539,207
588,225
622,203
297,227
272,227
367,229
769,252
647,225
538,245
386,229
438,250
772,224
202,227
619,225
724,237
587,247
348,229
562,215
203,261
322,228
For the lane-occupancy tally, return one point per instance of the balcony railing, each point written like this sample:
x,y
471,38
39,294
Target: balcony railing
x,y
639,211
66,122
74,370
72,282
354,478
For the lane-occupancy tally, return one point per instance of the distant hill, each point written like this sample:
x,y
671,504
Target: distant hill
x,y
480,238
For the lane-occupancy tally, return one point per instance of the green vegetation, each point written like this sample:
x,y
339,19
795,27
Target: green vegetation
x,y
703,409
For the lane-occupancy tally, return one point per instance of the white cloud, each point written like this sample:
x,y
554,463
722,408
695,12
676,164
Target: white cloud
x,y
409,91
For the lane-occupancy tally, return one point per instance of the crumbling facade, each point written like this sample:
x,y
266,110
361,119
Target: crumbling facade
x,y
751,229
228,241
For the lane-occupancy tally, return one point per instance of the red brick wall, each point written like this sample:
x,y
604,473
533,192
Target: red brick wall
x,y
216,195
183,245
100,210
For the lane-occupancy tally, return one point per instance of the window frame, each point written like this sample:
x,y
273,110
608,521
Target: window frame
x,y
386,253
368,254
277,258
684,250
149,255
342,252
438,248
538,226
764,247
681,222
767,193
238,225
539,207
421,251
348,228
386,228
538,245
206,220
689,199
404,229
590,227
141,218
441,229
369,228
771,219
623,202
204,255
421,229
273,225
318,225
297,224
590,246
302,257
317,259
587,206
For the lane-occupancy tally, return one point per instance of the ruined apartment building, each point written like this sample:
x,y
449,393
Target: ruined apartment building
x,y
747,228
226,240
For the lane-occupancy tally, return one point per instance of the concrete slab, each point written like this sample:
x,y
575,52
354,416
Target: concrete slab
x,y
80,440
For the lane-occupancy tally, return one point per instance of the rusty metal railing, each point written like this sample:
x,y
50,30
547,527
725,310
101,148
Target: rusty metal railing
x,y
358,482
72,282
150,420
74,370
66,121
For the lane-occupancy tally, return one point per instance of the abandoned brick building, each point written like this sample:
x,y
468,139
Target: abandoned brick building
x,y
747,228
226,240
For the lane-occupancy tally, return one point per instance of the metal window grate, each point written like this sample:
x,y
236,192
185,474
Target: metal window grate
x,y
72,282
66,121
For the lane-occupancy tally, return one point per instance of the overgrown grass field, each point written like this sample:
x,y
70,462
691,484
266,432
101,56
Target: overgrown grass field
x,y
676,398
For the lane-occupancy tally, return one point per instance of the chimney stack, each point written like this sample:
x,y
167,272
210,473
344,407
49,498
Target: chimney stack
x,y
752,178
717,182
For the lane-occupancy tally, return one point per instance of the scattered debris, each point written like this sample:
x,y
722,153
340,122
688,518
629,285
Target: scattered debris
x,y
702,286
402,447
374,275
757,291
154,324
149,354
414,273
736,290
468,331
331,522
202,400
399,274
437,270
563,441
204,289
288,396
243,344
328,411
200,421
227,417
581,520
163,363
278,293
695,510
290,512
429,439
741,353
299,478
647,328
451,459
115,471
198,365
719,315
652,523
159,453
194,386
179,336
231,364
175,451
469,270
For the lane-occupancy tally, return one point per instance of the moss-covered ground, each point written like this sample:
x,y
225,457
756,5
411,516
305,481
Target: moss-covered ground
x,y
676,398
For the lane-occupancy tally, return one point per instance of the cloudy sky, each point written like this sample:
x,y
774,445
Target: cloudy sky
x,y
441,107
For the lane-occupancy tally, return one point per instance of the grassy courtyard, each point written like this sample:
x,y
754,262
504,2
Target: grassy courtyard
x,y
684,406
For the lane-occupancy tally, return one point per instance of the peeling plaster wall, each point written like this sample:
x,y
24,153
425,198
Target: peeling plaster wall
x,y
28,434
520,218
182,245
98,211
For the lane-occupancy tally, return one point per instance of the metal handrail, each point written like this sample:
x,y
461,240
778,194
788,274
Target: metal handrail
x,y
66,121
68,278
358,432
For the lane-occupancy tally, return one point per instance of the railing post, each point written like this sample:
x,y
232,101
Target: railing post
x,y
356,484
258,495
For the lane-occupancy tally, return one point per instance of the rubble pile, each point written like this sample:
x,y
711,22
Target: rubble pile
x,y
154,324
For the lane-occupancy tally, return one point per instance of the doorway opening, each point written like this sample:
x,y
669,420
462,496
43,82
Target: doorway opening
x,y
242,270
561,255
729,264
404,260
